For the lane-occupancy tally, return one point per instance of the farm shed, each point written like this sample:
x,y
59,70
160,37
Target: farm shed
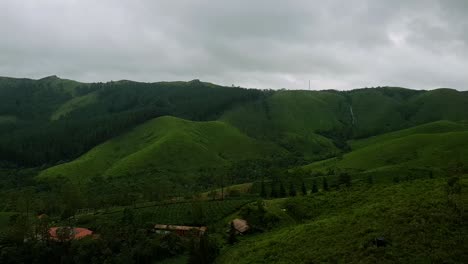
x,y
180,230
240,225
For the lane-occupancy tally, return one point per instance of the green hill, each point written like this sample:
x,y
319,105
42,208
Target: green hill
x,y
340,116
165,146
419,221
426,146
429,128
440,104
292,119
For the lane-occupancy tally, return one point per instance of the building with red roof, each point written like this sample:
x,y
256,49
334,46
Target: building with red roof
x,y
65,233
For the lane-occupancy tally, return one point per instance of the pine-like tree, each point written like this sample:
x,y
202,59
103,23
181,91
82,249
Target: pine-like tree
x,y
274,191
344,179
325,184
282,190
303,189
263,193
232,234
370,180
314,187
292,189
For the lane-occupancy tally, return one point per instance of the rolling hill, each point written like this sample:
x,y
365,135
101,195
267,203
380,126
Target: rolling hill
x,y
165,146
438,145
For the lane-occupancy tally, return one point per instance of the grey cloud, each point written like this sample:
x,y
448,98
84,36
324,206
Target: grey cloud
x,y
263,44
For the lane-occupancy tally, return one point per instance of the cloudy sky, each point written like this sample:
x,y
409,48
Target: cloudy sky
x,y
264,44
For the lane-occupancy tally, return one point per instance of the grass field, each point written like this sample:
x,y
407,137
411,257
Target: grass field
x,y
419,220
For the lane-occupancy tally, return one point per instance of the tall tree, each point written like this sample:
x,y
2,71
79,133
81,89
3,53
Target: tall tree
x,y
282,190
292,189
303,189
325,184
314,187
263,193
344,179
274,190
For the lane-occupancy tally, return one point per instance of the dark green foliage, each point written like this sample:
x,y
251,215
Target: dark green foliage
x,y
52,121
263,193
370,179
412,218
257,217
325,184
202,251
314,187
303,189
232,234
454,186
34,139
274,190
282,190
292,189
344,179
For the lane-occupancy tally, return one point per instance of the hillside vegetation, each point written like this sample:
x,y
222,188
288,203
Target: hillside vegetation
x,y
442,126
431,146
162,147
419,221
374,175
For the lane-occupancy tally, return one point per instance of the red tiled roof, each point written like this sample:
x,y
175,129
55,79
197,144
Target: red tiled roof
x,y
77,232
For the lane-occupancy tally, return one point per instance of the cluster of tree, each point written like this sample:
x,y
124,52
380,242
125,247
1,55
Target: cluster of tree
x,y
126,240
258,217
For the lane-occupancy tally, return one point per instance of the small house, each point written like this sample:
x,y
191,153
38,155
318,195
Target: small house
x,y
240,225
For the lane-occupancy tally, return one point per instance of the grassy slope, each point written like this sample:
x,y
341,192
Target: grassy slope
x,y
429,128
291,119
406,148
74,104
376,110
164,145
414,217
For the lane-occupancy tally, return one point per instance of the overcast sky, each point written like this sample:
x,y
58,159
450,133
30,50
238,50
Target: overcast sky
x,y
263,44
